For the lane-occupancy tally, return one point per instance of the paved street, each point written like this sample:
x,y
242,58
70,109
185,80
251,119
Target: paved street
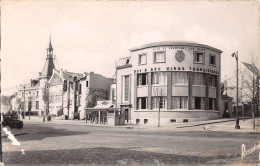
x,y
52,143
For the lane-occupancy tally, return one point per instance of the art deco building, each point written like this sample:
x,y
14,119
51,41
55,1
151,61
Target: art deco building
x,y
183,78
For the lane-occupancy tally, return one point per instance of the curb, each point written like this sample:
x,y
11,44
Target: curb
x,y
65,122
229,120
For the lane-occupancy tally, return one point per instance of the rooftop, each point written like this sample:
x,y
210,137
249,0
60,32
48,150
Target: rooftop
x,y
69,75
174,43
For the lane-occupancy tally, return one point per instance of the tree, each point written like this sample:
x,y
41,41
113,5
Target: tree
x,y
158,94
47,100
19,105
248,88
92,97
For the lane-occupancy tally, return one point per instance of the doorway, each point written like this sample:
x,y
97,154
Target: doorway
x,y
126,116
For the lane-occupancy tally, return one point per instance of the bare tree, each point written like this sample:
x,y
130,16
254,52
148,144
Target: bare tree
x,y
47,99
249,87
158,94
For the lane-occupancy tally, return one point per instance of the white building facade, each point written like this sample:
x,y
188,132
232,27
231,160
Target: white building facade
x,y
182,77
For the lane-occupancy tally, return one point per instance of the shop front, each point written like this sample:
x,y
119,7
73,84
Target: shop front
x,y
105,114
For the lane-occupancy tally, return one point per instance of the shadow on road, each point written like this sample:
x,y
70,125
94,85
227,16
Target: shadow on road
x,y
44,132
102,156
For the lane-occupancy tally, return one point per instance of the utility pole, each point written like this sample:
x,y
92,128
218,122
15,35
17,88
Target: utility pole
x,y
257,94
48,101
253,103
23,100
68,98
237,119
159,111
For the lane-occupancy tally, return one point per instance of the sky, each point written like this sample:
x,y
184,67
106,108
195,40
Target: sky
x,y
92,35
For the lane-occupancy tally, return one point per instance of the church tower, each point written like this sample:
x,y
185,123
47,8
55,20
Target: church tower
x,y
46,74
49,64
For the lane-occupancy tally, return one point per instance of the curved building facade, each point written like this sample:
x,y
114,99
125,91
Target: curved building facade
x,y
182,78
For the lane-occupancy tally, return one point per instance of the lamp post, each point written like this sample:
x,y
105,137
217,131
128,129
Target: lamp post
x,y
23,100
237,119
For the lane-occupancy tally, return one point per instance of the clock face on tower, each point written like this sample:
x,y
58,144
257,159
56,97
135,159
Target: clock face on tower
x,y
179,55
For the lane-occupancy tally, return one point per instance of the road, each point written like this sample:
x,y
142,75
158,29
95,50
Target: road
x,y
61,144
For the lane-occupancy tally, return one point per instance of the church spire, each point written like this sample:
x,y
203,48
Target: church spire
x,y
49,64
50,50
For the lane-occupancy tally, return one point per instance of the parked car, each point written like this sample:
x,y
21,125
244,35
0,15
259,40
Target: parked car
x,y
76,115
11,120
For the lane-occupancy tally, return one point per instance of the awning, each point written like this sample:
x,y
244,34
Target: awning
x,y
103,106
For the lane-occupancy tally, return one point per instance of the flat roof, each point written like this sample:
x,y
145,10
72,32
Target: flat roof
x,y
174,43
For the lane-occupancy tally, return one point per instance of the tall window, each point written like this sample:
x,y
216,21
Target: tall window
x,y
199,102
113,94
142,59
126,88
179,77
159,78
212,80
142,79
179,102
142,102
156,101
211,104
79,88
37,105
199,79
159,57
212,60
199,57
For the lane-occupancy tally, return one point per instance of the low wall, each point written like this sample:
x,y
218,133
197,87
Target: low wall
x,y
168,117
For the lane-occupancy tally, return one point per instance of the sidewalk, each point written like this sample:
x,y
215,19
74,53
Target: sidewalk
x,y
246,125
227,124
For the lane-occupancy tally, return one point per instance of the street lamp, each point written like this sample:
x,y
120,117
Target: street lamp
x,y
237,119
23,100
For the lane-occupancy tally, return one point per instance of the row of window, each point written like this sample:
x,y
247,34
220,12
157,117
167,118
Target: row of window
x,y
160,78
31,94
177,103
29,105
160,57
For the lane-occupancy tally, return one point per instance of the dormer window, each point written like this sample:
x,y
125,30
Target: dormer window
x,y
127,62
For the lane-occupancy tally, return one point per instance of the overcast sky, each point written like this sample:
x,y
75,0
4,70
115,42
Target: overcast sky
x,y
91,36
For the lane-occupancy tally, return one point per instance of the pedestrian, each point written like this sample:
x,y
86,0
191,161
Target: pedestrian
x,y
23,115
